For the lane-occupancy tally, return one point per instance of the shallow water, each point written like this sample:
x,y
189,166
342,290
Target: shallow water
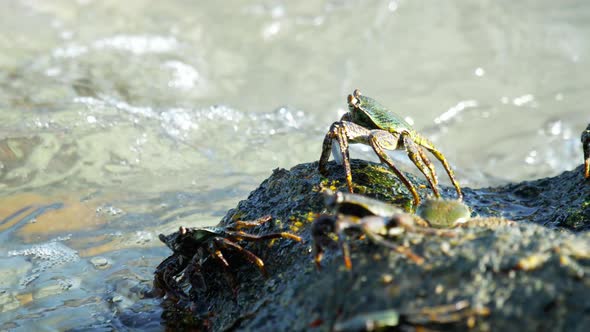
x,y
123,120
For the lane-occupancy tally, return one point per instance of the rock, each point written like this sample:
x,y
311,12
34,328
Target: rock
x,y
531,276
100,263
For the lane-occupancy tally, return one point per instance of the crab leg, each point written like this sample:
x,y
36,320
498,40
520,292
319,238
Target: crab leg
x,y
423,141
408,222
222,242
194,274
429,164
414,153
372,226
323,225
376,140
164,282
344,247
329,224
214,249
239,224
239,235
339,131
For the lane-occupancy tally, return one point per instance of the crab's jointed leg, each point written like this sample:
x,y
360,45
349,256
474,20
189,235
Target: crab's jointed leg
x,y
339,132
373,225
239,224
323,225
225,243
164,281
426,143
380,140
428,164
417,158
239,235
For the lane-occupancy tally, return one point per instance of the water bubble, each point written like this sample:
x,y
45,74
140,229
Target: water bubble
x,y
523,100
271,30
45,256
531,158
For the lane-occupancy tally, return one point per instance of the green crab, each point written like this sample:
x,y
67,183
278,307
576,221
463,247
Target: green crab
x,y
369,123
586,147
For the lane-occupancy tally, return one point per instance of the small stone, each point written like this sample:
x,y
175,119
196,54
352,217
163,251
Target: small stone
x,y
439,289
386,278
100,263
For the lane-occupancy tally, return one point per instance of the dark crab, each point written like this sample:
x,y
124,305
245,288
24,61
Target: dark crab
x,y
367,122
193,246
359,215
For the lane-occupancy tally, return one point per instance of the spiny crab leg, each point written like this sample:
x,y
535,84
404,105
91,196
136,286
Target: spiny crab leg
x,y
239,235
239,224
225,243
428,145
378,239
169,267
321,227
371,226
418,158
428,164
338,132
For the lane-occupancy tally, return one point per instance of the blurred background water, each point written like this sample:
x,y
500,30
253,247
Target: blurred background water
x,y
123,120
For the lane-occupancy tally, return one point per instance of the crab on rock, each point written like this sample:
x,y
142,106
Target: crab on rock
x,y
193,246
368,122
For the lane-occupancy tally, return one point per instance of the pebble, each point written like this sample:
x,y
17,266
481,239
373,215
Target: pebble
x,y
100,263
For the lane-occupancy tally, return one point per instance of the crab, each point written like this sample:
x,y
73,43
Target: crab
x,y
586,147
353,214
357,214
193,246
369,123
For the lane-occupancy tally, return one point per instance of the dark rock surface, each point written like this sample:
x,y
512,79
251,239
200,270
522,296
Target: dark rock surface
x,y
531,277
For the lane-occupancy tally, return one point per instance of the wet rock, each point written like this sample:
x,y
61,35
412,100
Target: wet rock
x,y
533,275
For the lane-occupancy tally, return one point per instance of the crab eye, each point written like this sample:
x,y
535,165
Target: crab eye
x,y
356,93
352,101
